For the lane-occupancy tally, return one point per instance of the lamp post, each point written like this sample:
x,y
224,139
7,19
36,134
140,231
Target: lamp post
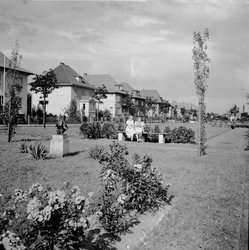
x,y
243,96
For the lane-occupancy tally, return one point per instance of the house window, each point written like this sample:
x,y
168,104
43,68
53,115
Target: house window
x,y
136,102
142,103
118,98
19,80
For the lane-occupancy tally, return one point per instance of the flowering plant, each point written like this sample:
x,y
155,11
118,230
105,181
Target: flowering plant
x,y
44,219
128,189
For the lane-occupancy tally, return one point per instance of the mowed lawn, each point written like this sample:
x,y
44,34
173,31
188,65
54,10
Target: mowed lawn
x,y
209,192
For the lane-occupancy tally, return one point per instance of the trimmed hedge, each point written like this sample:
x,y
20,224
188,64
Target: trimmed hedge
x,y
182,135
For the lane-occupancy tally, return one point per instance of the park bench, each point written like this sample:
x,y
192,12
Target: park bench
x,y
161,136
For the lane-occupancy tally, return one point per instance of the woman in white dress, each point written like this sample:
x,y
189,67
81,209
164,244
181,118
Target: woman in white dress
x,y
139,128
130,130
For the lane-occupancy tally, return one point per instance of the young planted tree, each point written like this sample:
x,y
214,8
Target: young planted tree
x,y
11,108
127,103
99,95
72,111
201,73
44,84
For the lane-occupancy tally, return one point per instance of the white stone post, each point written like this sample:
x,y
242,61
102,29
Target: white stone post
x,y
59,145
161,139
121,136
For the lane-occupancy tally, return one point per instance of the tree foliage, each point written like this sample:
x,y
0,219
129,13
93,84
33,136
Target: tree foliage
x,y
44,84
127,103
99,95
164,107
9,114
201,73
149,104
234,110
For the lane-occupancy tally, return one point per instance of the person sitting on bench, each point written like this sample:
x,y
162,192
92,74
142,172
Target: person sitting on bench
x,y
61,125
129,130
139,129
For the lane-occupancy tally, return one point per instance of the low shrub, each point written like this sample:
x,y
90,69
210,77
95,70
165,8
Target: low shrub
x,y
155,129
146,128
44,219
84,129
97,152
167,131
24,147
90,130
94,130
182,135
108,130
38,151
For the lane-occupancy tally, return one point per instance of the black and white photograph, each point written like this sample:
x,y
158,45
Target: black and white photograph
x,y
124,124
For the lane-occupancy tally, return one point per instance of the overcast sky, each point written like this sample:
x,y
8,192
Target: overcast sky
x,y
145,43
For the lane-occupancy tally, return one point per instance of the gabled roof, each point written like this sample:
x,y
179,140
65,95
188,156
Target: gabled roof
x,y
131,90
8,62
66,76
107,80
153,93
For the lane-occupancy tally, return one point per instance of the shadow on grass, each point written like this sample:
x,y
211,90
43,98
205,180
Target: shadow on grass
x,y
247,139
73,153
32,139
97,240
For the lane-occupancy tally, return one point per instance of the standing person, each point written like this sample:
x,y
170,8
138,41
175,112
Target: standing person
x,y
61,125
130,130
139,128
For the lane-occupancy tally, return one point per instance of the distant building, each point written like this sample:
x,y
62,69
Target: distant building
x,y
137,98
5,80
157,100
72,86
115,94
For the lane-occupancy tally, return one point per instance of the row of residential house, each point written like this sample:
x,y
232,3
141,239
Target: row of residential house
x,y
73,86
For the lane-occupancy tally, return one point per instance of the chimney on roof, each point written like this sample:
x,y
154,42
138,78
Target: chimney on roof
x,y
62,63
84,74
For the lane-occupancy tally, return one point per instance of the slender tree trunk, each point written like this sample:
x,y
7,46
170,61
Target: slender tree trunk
x,y
98,112
200,120
202,132
44,113
9,121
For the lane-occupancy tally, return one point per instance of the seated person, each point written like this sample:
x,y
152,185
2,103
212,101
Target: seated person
x,y
61,125
139,128
129,130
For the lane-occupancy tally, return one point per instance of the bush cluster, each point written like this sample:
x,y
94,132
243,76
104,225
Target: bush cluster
x,y
128,189
91,130
44,219
95,130
97,152
182,135
37,150
108,130
155,129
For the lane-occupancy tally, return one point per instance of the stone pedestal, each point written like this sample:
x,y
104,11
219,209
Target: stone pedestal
x,y
121,137
59,145
160,139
